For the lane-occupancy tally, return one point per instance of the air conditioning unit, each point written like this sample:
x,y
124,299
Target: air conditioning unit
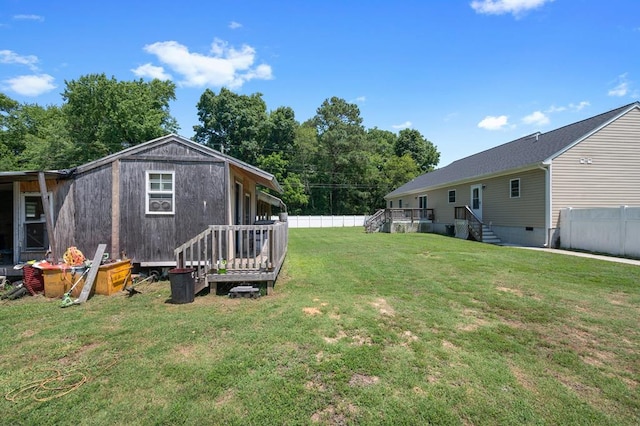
x,y
160,205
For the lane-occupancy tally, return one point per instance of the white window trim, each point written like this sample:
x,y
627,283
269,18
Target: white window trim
x,y
147,192
519,188
455,196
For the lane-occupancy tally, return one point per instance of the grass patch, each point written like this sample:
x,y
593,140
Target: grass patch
x,y
362,328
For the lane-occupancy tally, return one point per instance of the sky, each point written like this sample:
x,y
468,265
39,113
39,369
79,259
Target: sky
x,y
468,75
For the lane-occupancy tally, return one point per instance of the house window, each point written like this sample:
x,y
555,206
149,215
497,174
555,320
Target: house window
x,y
160,192
452,196
390,204
514,184
399,203
422,202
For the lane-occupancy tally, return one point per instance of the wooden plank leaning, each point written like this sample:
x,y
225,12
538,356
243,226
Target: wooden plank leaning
x,y
93,273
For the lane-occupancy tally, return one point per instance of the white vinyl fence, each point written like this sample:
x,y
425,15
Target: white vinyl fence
x,y
612,230
325,221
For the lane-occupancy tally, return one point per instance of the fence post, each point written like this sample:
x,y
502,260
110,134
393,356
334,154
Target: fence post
x,y
570,225
623,229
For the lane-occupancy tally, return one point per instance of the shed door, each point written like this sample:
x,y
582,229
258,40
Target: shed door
x,y
476,200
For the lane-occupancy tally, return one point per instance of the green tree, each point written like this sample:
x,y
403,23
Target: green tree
x,y
105,115
411,141
11,143
47,142
341,160
294,195
281,132
233,124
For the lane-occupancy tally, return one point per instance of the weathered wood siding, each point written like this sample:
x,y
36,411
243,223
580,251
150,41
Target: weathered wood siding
x,y
601,171
64,216
92,202
199,202
500,209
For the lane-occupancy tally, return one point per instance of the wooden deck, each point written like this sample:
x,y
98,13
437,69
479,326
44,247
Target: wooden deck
x,y
253,253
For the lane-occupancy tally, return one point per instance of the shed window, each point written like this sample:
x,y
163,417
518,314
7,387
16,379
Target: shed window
x,y
514,184
160,192
35,229
452,196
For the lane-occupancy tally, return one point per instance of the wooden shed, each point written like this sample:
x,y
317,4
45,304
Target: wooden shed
x,y
142,202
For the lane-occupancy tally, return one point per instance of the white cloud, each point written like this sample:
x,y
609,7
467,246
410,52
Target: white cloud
x,y
493,123
500,7
571,107
10,57
404,125
30,85
360,99
580,106
554,108
151,71
225,66
29,18
537,117
235,25
622,88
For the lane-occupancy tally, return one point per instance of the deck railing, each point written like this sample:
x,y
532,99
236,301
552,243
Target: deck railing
x,y
374,221
410,214
398,215
474,224
234,252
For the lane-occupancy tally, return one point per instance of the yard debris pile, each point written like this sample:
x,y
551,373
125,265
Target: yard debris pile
x,y
73,276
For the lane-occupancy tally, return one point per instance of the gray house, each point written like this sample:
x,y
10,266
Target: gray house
x,y
513,193
143,202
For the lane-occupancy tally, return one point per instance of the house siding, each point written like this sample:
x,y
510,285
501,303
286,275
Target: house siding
x,y
528,210
612,177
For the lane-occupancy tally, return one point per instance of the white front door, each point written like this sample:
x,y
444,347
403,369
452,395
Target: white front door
x,y
476,200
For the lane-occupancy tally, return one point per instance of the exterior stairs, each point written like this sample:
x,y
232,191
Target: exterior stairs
x,y
488,236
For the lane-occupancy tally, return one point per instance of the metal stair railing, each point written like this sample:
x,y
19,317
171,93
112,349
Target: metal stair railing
x,y
474,224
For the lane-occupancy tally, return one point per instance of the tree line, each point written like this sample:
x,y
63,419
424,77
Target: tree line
x,y
328,164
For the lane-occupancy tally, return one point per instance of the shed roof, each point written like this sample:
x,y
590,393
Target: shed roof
x,y
528,151
263,178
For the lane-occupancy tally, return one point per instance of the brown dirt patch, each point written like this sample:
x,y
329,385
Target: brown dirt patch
x,y
383,307
448,345
312,311
341,335
225,398
358,340
523,379
340,415
27,333
186,351
363,380
314,386
475,318
510,290
408,335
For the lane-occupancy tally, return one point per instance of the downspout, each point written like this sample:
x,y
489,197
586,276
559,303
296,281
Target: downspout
x,y
547,202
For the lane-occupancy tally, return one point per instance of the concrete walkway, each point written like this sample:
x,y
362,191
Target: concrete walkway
x,y
589,255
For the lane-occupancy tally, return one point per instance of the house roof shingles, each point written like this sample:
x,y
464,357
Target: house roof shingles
x,y
523,152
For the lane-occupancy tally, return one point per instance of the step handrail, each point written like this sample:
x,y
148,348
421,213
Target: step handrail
x,y
474,224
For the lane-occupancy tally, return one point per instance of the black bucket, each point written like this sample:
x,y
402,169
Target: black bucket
x,y
183,285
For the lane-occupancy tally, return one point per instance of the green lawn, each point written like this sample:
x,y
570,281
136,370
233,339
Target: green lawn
x,y
362,329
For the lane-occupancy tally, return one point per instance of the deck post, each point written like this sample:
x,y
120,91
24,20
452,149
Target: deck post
x,y
269,288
